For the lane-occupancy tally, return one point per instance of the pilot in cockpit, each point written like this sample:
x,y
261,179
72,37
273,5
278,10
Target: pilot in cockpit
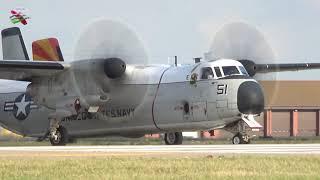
x,y
207,73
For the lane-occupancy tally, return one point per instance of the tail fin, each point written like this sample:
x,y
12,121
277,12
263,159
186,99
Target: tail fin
x,y
47,50
13,46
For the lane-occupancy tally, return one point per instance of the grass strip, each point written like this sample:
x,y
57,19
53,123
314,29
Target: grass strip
x,y
140,167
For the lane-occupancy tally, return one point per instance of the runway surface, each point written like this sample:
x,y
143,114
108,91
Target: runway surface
x,y
163,149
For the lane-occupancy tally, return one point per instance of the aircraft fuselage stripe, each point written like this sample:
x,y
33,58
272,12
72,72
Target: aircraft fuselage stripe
x,y
8,108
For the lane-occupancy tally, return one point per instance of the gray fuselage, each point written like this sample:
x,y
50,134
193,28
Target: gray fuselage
x,y
170,101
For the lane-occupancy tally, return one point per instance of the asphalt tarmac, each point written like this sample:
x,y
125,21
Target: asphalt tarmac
x,y
164,149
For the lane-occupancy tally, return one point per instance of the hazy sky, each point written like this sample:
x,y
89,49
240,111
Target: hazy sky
x,y
179,27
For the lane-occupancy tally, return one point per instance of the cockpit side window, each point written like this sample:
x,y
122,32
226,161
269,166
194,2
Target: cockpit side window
x,y
243,70
218,72
230,70
207,73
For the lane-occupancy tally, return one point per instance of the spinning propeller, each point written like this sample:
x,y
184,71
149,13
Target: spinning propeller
x,y
111,50
245,43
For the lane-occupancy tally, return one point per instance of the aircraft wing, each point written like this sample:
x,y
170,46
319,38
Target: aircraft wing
x,y
26,70
264,68
254,68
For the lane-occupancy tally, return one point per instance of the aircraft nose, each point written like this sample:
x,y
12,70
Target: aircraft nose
x,y
250,98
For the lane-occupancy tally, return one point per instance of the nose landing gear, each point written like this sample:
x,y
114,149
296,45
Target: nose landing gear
x,y
240,139
240,131
242,128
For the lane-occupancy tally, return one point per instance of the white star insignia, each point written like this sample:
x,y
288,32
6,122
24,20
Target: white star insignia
x,y
22,106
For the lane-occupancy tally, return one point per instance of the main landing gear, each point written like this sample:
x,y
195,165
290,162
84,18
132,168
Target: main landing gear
x,y
173,138
58,134
60,138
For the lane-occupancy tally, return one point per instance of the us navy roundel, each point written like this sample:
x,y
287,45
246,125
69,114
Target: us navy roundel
x,y
21,106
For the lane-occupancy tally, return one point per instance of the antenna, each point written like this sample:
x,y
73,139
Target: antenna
x,y
176,60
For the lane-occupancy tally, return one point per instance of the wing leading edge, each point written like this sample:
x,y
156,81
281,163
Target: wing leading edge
x,y
254,68
264,68
27,70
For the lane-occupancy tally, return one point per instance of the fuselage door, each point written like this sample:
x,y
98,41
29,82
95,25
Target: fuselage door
x,y
199,111
205,109
211,100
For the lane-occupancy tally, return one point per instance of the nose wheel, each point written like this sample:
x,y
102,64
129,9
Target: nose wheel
x,y
173,138
240,139
240,131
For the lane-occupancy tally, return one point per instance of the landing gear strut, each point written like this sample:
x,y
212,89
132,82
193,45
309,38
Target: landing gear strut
x,y
173,138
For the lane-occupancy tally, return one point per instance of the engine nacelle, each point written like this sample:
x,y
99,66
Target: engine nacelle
x,y
89,81
250,66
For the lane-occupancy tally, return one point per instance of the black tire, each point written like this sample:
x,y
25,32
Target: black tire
x,y
62,137
173,138
238,139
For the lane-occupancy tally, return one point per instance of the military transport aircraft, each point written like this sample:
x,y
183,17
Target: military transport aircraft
x,y
109,89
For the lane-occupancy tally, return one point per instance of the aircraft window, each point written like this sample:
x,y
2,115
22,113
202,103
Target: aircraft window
x,y
218,72
230,70
243,70
207,73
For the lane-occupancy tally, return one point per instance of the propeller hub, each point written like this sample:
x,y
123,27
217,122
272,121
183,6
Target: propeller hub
x,y
114,67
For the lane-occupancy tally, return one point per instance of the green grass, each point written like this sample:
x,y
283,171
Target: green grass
x,y
134,167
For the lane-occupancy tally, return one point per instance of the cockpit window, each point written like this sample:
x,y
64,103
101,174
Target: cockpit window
x,y
218,72
207,73
243,70
230,70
